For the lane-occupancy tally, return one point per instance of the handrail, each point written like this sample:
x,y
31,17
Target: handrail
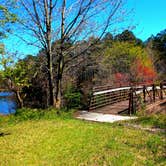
x,y
103,96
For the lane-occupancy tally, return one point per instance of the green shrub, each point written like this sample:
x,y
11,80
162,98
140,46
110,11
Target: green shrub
x,y
28,114
37,114
72,98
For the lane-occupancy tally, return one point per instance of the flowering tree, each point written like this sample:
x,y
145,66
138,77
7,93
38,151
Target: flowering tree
x,y
143,72
129,63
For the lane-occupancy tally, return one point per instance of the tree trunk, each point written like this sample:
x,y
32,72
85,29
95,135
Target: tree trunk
x,y
51,80
59,102
58,98
48,17
19,99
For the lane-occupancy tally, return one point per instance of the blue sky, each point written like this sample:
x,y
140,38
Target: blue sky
x,y
149,17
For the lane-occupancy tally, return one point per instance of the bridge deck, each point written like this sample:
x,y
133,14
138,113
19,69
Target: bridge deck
x,y
114,108
124,105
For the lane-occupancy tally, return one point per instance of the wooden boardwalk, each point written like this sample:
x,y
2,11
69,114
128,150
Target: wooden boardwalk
x,y
115,108
123,106
126,100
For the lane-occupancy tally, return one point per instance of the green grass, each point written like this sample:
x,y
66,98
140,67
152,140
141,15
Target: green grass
x,y
149,120
43,138
153,121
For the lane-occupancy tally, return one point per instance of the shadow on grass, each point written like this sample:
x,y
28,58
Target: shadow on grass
x,y
4,134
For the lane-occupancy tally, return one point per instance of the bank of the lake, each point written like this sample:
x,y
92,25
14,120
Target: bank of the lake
x,y
7,103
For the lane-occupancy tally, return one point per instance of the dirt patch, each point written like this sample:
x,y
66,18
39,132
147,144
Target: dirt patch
x,y
139,127
157,108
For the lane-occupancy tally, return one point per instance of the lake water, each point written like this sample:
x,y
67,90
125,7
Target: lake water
x,y
7,103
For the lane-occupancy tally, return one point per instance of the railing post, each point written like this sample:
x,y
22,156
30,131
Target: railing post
x,y
129,112
161,91
144,93
129,101
131,109
132,103
153,89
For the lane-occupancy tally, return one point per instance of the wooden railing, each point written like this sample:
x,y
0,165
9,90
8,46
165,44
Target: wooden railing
x,y
108,97
136,95
145,94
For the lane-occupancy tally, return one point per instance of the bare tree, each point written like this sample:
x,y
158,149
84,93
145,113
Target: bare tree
x,y
47,21
37,22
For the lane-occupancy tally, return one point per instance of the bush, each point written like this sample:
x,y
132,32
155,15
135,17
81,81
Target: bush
x,y
26,114
72,98
29,114
37,114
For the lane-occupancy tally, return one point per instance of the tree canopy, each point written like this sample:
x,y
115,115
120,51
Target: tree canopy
x,y
6,17
156,46
126,58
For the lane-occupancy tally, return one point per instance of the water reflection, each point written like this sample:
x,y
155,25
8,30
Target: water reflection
x,y
7,103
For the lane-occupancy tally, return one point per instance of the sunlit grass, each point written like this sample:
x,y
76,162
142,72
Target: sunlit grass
x,y
149,121
65,141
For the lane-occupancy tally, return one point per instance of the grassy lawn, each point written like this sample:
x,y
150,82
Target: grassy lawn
x,y
46,139
151,121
